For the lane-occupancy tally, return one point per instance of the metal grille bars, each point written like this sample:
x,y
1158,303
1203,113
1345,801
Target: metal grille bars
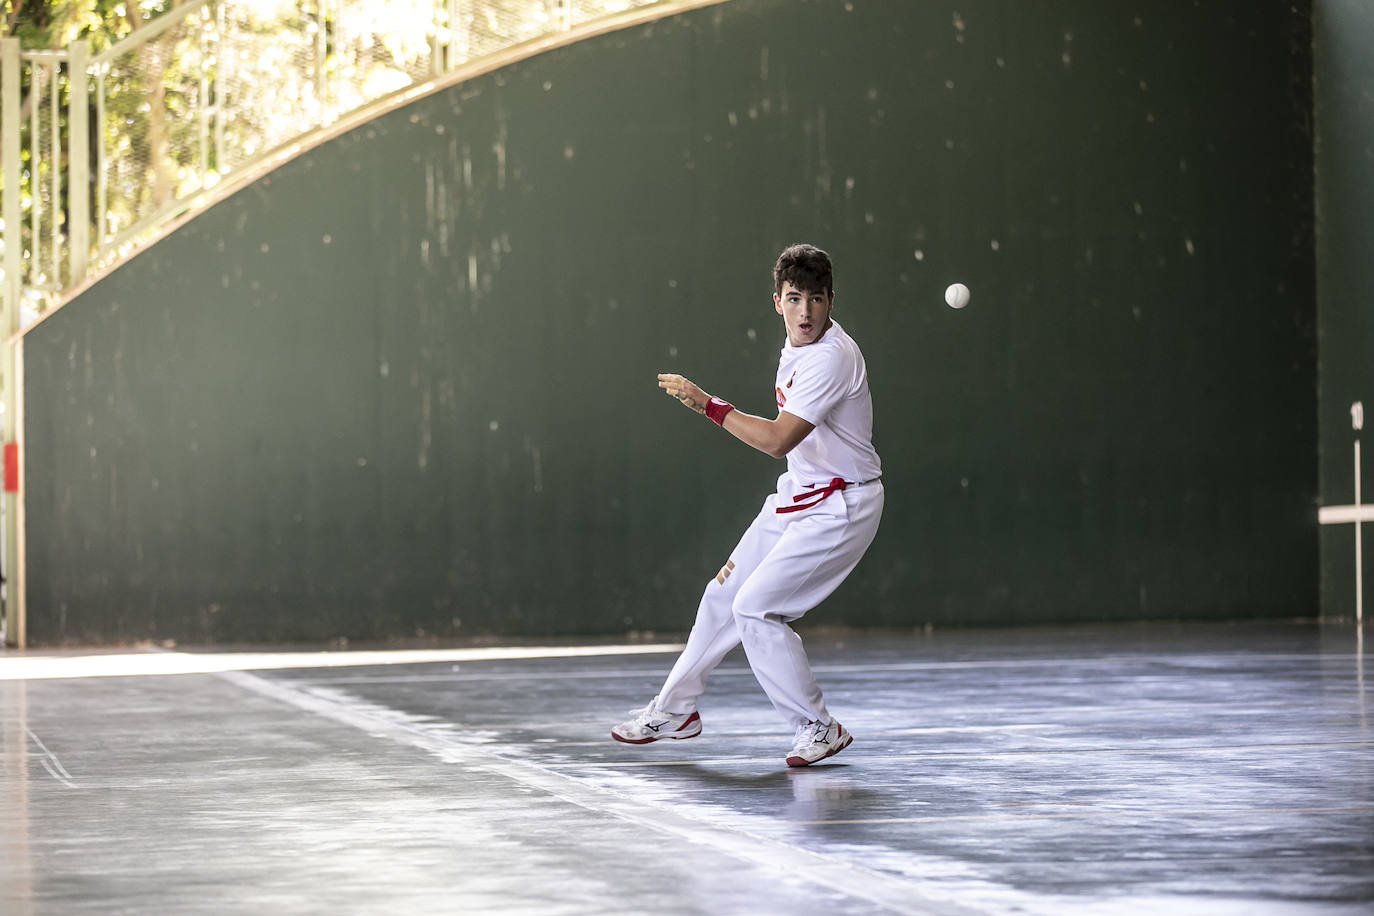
x,y
108,147
98,153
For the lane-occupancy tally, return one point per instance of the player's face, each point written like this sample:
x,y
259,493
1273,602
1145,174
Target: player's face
x,y
805,313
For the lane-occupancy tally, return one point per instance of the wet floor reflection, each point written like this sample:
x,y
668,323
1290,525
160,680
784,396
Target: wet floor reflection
x,y
1179,768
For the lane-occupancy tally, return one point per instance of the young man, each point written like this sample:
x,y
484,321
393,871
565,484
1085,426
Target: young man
x,y
807,537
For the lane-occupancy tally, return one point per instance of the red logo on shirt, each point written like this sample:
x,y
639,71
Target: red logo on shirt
x,y
782,398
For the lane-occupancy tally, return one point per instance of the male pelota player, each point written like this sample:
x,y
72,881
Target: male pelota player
x,y
809,534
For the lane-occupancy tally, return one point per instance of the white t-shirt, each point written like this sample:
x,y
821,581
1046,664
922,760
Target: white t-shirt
x,y
826,384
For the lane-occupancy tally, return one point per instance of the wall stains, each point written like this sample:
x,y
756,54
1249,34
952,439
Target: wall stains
x,y
408,385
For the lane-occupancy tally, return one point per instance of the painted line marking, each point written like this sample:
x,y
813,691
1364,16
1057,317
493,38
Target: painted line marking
x,y
978,755
1174,661
854,880
50,762
1097,813
1343,515
143,664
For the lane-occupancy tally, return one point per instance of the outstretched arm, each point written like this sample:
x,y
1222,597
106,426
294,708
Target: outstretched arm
x,y
774,437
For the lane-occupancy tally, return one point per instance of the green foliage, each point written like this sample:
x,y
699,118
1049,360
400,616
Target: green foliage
x,y
55,24
174,113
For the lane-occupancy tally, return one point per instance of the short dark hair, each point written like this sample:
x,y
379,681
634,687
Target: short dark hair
x,y
807,268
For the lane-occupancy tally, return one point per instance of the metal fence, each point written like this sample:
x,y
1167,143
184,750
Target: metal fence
x,y
100,150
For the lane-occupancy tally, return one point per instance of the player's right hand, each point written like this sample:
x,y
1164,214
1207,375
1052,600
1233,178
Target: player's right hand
x,y
683,389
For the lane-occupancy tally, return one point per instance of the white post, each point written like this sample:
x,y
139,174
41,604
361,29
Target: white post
x,y
35,179
221,66
9,122
10,127
1357,423
78,162
203,102
1359,547
102,182
55,86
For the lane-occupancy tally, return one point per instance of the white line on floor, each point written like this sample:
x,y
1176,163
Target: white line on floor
x,y
50,762
1033,814
820,668
884,890
142,664
990,756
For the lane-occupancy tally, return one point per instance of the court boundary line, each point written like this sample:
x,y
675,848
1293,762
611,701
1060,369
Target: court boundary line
x,y
157,663
844,668
852,880
1181,750
50,762
1114,812
153,663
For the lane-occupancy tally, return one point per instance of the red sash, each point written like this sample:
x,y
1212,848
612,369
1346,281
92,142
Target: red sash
x,y
816,496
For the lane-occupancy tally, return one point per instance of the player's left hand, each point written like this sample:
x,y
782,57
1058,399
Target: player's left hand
x,y
683,389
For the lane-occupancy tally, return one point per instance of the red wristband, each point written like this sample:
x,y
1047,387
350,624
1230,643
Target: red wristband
x,y
716,409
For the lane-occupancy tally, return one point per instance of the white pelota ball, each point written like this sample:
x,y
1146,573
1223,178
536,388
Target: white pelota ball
x,y
957,295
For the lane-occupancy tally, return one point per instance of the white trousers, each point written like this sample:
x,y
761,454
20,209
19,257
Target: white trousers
x,y
784,566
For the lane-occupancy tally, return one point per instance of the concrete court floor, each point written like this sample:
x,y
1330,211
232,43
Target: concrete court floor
x,y
1201,768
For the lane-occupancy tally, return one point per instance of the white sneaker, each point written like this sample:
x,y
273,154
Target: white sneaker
x,y
650,724
817,741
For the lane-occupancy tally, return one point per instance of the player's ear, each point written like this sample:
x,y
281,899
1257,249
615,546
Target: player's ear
x,y
777,303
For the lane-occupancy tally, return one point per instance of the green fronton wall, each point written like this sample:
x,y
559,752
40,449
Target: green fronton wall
x,y
1344,43
405,385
